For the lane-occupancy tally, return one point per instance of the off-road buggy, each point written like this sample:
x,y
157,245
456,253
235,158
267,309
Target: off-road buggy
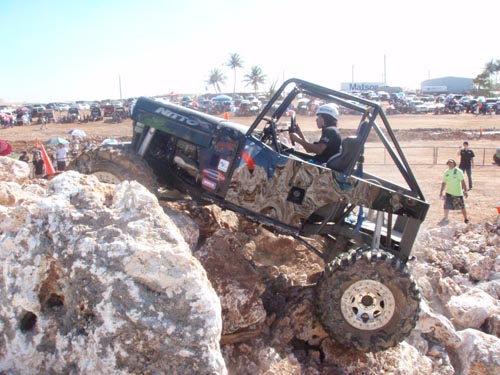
x,y
367,298
95,114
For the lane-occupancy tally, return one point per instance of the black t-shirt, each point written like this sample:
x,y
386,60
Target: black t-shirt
x,y
466,157
39,166
331,137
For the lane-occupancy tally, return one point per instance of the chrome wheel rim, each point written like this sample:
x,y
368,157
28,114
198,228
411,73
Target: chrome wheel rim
x,y
368,305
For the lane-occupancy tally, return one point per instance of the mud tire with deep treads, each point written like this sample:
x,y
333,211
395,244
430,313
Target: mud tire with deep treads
x,y
115,163
359,277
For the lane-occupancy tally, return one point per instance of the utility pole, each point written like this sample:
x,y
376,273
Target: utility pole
x,y
120,85
385,72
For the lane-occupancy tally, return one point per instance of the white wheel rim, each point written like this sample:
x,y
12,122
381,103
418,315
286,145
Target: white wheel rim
x,y
368,305
107,177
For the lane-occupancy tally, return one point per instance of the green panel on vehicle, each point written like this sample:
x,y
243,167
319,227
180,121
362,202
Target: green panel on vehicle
x,y
184,132
175,120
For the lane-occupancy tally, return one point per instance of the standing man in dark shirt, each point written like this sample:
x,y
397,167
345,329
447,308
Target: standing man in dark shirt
x,y
466,161
38,165
329,143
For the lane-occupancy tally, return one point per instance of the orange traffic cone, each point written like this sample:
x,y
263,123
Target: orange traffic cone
x,y
46,160
226,115
480,131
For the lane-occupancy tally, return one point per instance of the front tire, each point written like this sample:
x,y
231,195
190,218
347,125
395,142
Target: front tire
x,y
368,300
114,164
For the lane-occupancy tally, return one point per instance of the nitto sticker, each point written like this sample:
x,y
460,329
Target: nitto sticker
x,y
223,165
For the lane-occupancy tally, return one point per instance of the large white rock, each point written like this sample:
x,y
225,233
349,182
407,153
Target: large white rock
x,y
96,279
13,170
479,353
437,327
472,308
481,268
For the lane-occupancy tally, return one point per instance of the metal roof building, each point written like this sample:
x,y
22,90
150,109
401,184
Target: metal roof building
x,y
447,85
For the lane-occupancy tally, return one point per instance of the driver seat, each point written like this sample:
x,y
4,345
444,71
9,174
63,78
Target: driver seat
x,y
352,147
341,161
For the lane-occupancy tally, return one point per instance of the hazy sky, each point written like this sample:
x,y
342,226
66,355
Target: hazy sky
x,y
63,50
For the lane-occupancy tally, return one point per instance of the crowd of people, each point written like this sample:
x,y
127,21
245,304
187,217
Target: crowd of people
x,y
59,155
25,116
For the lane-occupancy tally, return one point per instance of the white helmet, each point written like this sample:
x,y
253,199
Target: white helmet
x,y
328,109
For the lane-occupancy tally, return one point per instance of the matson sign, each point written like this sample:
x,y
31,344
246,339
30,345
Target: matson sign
x,y
361,86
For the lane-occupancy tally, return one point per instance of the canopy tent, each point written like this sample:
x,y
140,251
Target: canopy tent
x,y
54,141
222,98
77,132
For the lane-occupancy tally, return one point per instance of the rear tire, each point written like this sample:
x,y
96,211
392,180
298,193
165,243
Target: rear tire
x,y
368,300
114,164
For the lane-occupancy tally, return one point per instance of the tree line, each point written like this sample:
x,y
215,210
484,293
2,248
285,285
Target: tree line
x,y
484,83
487,80
255,76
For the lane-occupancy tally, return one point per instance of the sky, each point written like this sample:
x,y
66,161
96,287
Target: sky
x,y
57,50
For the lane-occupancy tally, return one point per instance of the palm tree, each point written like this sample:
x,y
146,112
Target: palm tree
x,y
497,70
255,78
216,78
272,88
491,67
234,62
482,83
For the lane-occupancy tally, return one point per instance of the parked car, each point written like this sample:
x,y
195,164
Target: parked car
x,y
95,114
491,105
418,106
53,106
108,110
73,110
64,107
186,101
37,110
83,105
496,108
39,107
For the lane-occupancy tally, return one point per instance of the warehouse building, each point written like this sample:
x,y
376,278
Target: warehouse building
x,y
447,85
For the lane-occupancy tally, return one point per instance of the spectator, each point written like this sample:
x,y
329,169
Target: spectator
x,y
24,157
44,123
453,180
329,143
25,119
38,165
61,155
466,161
75,146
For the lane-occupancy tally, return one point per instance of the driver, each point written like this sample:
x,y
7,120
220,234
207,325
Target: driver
x,y
329,143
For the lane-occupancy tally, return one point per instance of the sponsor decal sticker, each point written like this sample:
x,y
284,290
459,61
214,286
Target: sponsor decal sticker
x,y
209,184
213,175
177,117
223,165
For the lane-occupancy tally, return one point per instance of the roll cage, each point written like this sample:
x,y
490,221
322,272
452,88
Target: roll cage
x,y
372,118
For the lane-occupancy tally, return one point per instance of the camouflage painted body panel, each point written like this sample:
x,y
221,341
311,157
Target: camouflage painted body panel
x,y
263,180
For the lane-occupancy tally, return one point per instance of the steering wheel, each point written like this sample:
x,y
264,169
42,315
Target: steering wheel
x,y
269,135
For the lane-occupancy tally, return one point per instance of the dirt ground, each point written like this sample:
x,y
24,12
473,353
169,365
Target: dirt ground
x,y
417,134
